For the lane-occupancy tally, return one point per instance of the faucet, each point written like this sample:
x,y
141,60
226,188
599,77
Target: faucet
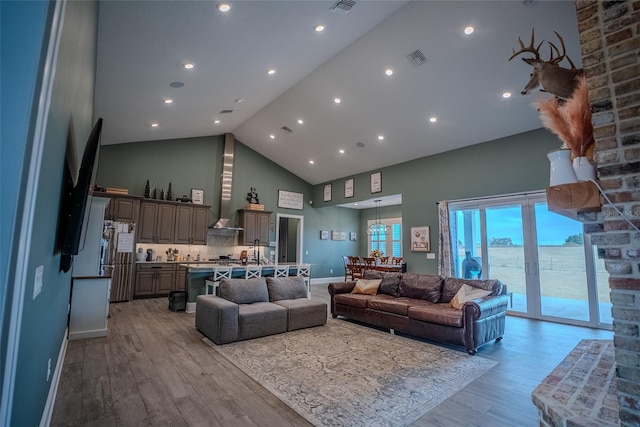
x,y
256,245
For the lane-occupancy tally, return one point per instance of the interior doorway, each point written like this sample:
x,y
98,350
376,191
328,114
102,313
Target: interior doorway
x,y
289,232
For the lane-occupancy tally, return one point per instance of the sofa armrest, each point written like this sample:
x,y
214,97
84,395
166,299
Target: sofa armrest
x,y
341,287
217,318
480,308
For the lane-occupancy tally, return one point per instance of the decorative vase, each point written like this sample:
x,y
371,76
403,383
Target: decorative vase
x,y
584,169
561,171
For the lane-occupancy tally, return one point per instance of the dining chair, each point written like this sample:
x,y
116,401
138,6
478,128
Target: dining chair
x,y
356,267
304,270
219,273
281,271
368,262
396,260
384,260
252,271
347,269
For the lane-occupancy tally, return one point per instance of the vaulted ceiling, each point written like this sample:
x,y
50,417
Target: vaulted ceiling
x,y
144,45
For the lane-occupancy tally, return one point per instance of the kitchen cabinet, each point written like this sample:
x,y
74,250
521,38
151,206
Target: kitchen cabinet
x,y
123,208
157,222
180,283
154,279
191,224
256,227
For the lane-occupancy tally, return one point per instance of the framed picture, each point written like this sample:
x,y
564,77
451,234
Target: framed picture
x,y
376,182
338,235
420,239
197,196
290,200
348,188
353,235
324,234
327,193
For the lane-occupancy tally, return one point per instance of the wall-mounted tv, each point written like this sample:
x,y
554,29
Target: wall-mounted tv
x,y
76,199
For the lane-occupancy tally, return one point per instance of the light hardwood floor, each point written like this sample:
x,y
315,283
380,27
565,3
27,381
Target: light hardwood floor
x,y
154,369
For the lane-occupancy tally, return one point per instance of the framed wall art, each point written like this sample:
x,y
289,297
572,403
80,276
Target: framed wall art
x,y
290,200
197,196
376,182
420,239
324,234
327,193
348,188
338,235
353,236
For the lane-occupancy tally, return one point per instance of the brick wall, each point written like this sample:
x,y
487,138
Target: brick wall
x,y
610,42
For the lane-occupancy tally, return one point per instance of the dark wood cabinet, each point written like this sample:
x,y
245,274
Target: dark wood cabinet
x,y
255,226
180,283
191,224
157,222
123,208
155,279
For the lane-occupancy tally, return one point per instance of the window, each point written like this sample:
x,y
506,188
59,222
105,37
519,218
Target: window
x,y
389,244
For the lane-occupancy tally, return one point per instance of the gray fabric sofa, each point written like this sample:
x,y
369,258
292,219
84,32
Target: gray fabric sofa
x,y
257,307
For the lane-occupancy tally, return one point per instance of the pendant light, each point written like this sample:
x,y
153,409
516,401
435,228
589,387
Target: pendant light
x,y
378,228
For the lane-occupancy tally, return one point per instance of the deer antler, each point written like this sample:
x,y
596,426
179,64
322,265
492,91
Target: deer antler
x,y
559,58
531,48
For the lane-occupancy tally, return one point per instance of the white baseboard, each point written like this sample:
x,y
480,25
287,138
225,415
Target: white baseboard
x,y
55,382
323,280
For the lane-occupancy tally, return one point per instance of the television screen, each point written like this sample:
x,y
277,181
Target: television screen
x,y
78,198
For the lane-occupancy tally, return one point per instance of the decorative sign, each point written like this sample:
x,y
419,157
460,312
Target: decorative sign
x,y
348,188
353,235
420,239
125,242
324,235
338,235
327,193
376,182
197,196
290,200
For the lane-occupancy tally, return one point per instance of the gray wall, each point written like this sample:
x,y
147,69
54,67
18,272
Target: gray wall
x,y
514,164
44,319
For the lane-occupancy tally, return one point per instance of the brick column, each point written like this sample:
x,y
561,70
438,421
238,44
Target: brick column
x,y
610,43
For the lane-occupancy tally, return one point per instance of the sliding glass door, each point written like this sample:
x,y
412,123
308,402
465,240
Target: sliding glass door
x,y
546,261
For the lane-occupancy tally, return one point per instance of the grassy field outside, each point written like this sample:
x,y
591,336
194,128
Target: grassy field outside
x,y
562,271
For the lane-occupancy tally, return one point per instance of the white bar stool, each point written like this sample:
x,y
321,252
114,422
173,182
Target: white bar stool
x,y
281,271
219,273
304,270
252,271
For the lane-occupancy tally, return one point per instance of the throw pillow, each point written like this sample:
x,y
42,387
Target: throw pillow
x,y
367,287
467,293
286,288
243,291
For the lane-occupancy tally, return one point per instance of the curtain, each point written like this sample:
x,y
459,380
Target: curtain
x,y
445,258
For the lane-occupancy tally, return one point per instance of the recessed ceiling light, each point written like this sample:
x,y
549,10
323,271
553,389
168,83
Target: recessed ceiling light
x,y
506,95
216,121
168,101
189,66
271,71
239,100
319,28
433,119
154,125
300,121
272,136
224,7
337,100
468,30
388,72
311,162
341,151
380,137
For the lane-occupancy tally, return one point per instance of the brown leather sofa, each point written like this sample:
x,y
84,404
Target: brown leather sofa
x,y
419,305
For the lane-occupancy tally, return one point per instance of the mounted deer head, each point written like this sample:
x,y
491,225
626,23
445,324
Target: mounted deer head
x,y
554,79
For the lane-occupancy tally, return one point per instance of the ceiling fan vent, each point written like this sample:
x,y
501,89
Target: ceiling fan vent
x,y
342,6
286,130
225,112
417,57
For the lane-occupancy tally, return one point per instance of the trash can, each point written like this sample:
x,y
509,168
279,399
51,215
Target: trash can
x,y
177,300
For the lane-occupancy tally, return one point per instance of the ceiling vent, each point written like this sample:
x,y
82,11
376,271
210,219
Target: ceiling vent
x,y
342,6
417,58
286,129
225,112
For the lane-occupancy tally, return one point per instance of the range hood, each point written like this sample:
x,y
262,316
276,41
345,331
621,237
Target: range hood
x,y
226,182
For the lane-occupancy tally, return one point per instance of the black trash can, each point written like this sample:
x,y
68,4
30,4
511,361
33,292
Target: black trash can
x,y
177,300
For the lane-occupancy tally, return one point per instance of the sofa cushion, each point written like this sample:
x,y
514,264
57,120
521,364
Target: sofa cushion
x,y
390,284
452,285
389,305
244,291
467,293
421,286
260,319
366,287
353,300
304,312
286,288
442,314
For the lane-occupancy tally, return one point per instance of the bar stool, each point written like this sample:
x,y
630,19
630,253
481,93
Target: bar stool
x,y
219,273
304,271
252,271
281,271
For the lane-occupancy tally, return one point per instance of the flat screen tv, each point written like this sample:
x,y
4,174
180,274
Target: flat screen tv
x,y
77,198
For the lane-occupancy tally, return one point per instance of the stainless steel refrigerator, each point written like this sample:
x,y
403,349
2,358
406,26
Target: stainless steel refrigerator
x,y
118,256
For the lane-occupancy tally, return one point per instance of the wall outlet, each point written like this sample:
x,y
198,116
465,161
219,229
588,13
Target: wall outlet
x,y
331,271
48,369
431,256
306,252
37,285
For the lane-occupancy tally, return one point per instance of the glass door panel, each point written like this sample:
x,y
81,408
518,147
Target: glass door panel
x,y
505,250
465,238
561,265
602,288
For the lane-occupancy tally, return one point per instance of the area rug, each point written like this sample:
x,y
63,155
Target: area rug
x,y
344,374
